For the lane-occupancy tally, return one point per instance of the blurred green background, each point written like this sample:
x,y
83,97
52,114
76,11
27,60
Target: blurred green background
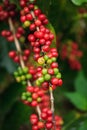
x,y
70,23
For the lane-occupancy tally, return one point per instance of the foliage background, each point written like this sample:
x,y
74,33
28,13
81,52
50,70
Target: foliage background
x,y
71,99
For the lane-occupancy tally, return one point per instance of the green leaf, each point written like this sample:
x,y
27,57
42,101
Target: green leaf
x,y
76,123
5,61
78,100
81,84
79,2
19,115
9,97
83,126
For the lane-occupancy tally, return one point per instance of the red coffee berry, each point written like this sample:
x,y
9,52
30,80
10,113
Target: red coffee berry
x,y
12,54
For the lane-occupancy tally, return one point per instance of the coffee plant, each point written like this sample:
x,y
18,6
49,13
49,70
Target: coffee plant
x,y
43,65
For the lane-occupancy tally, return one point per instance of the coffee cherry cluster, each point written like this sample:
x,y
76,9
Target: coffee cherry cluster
x,y
44,75
71,52
7,10
19,32
50,72
48,75
27,18
8,35
46,121
36,124
41,41
15,56
33,96
22,75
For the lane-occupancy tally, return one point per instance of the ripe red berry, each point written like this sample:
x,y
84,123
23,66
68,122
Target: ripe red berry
x,y
45,85
42,17
45,48
34,103
40,125
10,38
37,22
31,6
26,10
43,115
30,89
36,50
46,37
60,82
49,125
3,33
29,17
23,19
35,127
34,121
12,54
33,116
50,71
55,81
16,59
35,96
37,12
54,65
49,113
31,38
27,52
32,27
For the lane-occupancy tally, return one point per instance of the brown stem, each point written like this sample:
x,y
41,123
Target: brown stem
x,y
17,44
52,105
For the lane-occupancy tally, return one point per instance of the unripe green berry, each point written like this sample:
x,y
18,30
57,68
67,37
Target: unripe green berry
x,y
56,70
46,57
41,79
49,61
28,76
28,94
22,77
18,79
54,59
47,77
16,74
35,7
38,99
29,99
23,97
25,70
44,71
20,71
58,75
38,83
24,82
24,93
26,24
22,39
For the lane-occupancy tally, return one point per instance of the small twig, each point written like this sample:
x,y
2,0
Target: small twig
x,y
17,44
39,112
52,105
